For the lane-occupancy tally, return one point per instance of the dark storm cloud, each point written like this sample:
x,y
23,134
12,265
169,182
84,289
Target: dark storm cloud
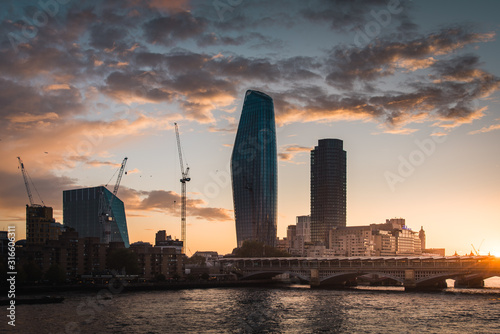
x,y
245,68
30,62
449,99
167,30
200,84
346,15
210,39
300,68
135,85
99,47
104,37
25,105
383,58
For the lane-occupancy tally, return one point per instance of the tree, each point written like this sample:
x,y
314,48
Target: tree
x,y
123,259
253,248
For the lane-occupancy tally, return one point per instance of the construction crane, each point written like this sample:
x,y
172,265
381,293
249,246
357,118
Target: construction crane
x,y
478,249
105,216
27,180
185,178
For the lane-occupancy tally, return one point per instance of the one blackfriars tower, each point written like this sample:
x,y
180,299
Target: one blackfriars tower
x,y
328,188
254,171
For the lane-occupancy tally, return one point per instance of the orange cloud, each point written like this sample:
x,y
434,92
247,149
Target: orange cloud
x,y
290,151
28,118
169,201
133,171
57,87
486,129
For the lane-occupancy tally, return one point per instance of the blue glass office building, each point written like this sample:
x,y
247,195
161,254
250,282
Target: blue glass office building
x,y
81,212
254,171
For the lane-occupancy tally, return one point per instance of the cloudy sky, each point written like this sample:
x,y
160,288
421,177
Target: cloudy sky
x,y
411,87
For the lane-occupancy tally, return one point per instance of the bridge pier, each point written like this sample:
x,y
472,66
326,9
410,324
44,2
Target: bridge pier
x,y
314,282
471,283
410,283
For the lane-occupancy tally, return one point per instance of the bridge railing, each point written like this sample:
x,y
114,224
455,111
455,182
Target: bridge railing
x,y
470,262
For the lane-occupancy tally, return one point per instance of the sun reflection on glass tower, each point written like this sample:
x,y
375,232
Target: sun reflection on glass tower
x,y
328,188
254,171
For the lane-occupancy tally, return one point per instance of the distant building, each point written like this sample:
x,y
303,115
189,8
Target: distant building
x,y
299,235
393,238
434,251
304,228
351,241
282,244
81,212
254,171
396,221
297,238
291,237
328,189
163,240
319,251
40,225
211,258
421,236
384,243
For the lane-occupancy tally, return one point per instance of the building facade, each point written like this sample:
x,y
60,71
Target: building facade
x,y
303,234
393,238
254,171
163,240
154,261
81,212
328,189
351,241
40,225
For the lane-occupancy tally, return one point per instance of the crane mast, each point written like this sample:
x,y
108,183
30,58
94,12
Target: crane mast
x,y
185,178
105,216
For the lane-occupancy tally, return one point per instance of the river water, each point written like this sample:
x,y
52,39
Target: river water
x,y
294,309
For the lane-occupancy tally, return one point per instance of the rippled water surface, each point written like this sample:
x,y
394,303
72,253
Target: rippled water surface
x,y
267,310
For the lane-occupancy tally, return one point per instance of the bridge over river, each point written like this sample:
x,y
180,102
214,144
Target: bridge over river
x,y
413,272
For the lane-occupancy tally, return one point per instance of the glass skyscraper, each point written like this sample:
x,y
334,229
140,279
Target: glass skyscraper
x,y
81,212
328,188
254,171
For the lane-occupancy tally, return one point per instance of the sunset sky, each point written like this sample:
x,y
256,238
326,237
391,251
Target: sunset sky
x,y
411,87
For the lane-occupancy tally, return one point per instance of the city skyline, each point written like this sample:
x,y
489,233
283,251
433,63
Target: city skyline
x,y
410,87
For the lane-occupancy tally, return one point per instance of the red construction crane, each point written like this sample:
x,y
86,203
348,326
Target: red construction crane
x,y
185,178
